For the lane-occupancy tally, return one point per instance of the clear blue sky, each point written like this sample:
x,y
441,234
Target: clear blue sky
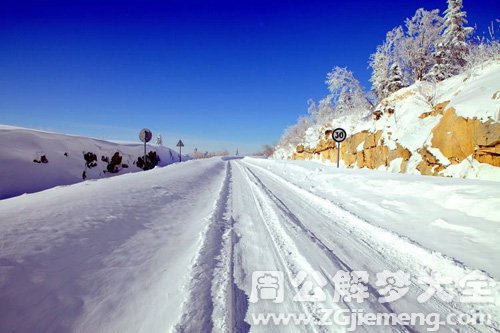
x,y
218,74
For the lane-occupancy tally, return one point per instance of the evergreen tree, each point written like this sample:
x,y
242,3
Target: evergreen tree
x,y
454,39
394,81
441,68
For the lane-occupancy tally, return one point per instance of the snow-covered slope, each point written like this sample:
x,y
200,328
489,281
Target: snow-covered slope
x,y
23,171
450,128
111,255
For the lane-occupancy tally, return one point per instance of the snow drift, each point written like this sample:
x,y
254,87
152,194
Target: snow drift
x,y
34,160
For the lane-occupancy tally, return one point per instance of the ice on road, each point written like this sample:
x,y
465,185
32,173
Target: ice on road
x,y
183,248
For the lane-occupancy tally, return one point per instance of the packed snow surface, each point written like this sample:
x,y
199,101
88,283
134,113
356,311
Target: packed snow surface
x,y
175,249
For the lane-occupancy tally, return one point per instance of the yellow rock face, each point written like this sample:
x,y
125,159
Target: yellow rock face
x,y
458,137
488,154
374,152
429,165
438,109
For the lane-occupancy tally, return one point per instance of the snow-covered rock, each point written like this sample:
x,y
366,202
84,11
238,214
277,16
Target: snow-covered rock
x,y
449,129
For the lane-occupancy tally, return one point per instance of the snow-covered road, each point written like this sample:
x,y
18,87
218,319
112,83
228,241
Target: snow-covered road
x,y
225,244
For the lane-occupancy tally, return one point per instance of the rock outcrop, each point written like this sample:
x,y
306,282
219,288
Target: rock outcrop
x,y
450,128
457,138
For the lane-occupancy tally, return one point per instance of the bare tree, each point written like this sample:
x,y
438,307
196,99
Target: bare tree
x,y
267,151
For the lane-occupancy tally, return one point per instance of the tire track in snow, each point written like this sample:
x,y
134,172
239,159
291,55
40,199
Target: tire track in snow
x,y
212,275
328,251
237,299
285,249
299,228
395,250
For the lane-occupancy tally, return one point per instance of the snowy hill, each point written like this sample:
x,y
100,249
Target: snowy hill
x,y
34,160
449,128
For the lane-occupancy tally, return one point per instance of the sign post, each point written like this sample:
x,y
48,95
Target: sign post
x,y
339,135
145,135
180,144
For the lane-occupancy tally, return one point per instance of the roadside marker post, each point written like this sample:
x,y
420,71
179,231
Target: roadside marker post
x,y
339,135
180,144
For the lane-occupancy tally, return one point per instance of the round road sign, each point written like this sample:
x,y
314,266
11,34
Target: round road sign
x,y
339,135
145,135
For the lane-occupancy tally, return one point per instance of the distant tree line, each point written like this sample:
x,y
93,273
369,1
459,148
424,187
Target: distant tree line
x,y
196,154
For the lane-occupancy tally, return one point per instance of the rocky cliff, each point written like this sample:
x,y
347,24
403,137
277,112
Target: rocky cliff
x,y
450,128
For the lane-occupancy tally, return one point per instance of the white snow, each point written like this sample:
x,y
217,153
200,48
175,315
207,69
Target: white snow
x,y
112,255
174,249
477,96
470,168
20,146
407,204
395,165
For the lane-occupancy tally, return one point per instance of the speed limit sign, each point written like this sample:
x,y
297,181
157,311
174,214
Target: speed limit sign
x,y
339,135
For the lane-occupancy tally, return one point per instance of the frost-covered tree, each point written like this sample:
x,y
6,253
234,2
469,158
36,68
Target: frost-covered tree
x,y
347,95
379,62
267,150
159,140
313,111
394,82
294,135
321,113
484,49
419,43
326,109
482,52
412,49
441,68
382,60
454,39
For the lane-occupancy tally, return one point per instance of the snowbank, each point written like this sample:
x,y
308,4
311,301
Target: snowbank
x,y
111,255
23,169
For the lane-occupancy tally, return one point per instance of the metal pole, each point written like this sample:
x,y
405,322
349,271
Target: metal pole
x,y
180,153
338,155
144,155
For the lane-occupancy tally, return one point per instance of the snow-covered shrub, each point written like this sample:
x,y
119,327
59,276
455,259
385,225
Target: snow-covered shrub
x,y
483,50
428,91
294,135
